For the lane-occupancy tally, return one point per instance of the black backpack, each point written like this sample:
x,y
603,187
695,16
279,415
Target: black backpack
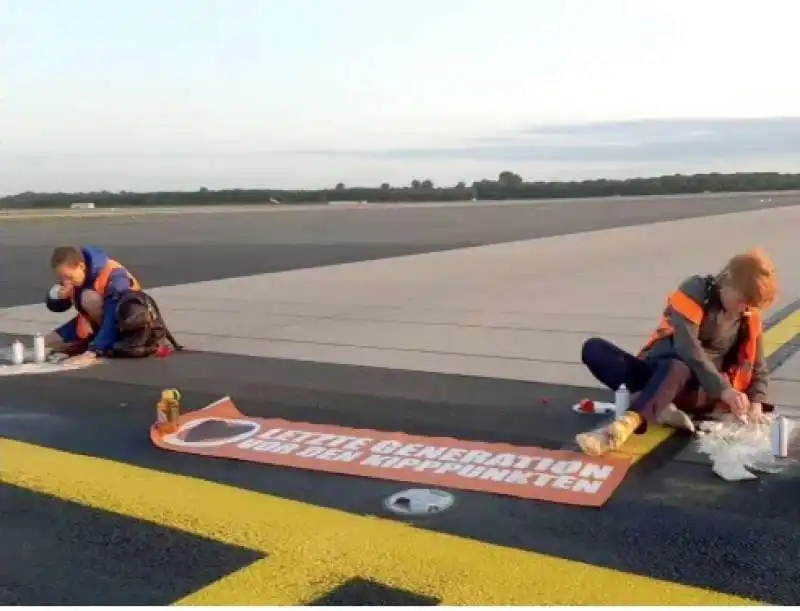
x,y
141,328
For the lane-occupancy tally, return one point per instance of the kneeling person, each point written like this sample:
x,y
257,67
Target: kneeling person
x,y
92,283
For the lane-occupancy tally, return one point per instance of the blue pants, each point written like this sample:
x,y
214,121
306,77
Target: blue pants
x,y
68,332
658,383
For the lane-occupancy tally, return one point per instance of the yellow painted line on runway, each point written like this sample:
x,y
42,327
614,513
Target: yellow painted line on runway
x,y
781,334
640,446
311,550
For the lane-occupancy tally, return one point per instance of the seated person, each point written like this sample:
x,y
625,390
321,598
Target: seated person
x,y
706,353
92,283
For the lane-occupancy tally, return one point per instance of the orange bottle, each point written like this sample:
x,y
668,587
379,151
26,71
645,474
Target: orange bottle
x,y
168,411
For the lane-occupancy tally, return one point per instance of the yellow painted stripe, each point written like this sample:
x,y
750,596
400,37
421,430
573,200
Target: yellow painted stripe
x,y
640,446
282,579
782,333
311,550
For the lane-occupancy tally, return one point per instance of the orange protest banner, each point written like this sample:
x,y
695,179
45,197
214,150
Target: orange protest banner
x,y
560,476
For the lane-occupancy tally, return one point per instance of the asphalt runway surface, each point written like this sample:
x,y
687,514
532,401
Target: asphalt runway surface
x,y
670,520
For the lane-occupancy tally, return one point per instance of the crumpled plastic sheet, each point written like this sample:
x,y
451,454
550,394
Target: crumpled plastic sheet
x,y
738,451
53,364
41,368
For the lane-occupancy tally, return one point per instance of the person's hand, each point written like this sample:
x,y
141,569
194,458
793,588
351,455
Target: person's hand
x,y
738,402
81,359
756,414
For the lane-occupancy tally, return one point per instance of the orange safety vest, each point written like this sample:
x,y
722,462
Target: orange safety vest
x,y
740,375
84,325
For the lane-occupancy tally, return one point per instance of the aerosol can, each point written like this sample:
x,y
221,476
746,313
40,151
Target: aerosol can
x,y
17,353
779,434
168,411
39,351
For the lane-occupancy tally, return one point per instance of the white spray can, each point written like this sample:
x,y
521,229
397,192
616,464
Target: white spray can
x,y
39,352
779,434
17,353
622,400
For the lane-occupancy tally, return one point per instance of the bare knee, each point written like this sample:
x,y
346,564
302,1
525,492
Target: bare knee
x,y
92,304
676,368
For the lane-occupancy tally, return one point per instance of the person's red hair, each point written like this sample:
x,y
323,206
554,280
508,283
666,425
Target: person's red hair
x,y
753,275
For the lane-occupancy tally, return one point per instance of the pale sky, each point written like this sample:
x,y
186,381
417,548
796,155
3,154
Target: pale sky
x,y
178,94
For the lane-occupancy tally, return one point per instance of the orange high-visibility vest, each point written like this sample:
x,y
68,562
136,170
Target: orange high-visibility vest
x,y
740,375
84,326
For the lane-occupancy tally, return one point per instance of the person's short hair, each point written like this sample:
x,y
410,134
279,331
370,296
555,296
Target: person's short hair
x,y
66,255
753,275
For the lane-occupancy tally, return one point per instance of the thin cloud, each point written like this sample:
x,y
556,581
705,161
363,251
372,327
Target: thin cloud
x,y
649,141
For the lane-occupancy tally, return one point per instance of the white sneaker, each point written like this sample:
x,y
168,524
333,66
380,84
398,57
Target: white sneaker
x,y
673,417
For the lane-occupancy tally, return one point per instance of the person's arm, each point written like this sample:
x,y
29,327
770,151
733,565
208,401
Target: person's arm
x,y
686,340
690,351
757,392
118,283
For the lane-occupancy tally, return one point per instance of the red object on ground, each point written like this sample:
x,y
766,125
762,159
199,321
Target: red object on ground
x,y
587,406
162,352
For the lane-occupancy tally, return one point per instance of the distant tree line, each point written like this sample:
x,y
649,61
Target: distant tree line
x,y
508,185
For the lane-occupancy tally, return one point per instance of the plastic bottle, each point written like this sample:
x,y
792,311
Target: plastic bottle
x,y
622,400
168,411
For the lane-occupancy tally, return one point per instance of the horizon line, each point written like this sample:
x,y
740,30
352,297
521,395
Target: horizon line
x,y
401,187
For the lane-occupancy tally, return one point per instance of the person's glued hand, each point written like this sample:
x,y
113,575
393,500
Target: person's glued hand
x,y
737,402
81,359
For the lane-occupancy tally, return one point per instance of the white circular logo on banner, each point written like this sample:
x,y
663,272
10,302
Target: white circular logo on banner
x,y
218,432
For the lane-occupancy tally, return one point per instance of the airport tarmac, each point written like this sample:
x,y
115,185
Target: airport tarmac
x,y
425,320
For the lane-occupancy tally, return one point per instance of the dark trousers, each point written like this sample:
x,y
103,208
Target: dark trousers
x,y
658,383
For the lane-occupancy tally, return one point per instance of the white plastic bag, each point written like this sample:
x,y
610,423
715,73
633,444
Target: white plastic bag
x,y
736,449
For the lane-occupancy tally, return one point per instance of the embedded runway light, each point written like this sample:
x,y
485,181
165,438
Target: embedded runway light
x,y
419,501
